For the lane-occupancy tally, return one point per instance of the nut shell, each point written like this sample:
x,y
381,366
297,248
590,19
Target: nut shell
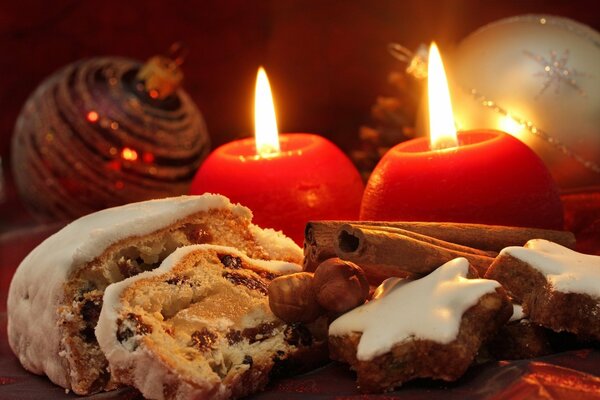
x,y
340,285
292,298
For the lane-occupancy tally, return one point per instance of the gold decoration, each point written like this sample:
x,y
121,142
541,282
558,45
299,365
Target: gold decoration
x,y
161,75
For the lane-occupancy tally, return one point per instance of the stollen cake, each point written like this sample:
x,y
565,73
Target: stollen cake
x,y
200,327
430,327
55,296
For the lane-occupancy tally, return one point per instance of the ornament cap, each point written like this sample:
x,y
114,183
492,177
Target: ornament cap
x,y
161,75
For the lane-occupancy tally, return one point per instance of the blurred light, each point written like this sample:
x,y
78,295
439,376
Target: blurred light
x,y
129,154
509,125
148,158
92,116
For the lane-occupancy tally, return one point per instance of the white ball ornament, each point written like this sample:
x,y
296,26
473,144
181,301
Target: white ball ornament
x,y
538,78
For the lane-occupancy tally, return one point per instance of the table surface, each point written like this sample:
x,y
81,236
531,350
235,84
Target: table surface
x,y
569,375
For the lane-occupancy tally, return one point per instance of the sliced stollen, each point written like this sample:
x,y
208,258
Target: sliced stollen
x,y
200,327
56,293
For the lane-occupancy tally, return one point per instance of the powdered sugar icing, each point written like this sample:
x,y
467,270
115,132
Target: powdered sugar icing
x,y
427,308
567,270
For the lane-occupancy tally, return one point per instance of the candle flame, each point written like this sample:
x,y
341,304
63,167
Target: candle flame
x,y
265,122
442,132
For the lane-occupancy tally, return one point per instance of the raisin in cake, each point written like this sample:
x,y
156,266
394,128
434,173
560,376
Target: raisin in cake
x,y
56,293
558,288
200,327
426,328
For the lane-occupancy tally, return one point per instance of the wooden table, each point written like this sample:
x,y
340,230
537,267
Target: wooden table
x,y
569,375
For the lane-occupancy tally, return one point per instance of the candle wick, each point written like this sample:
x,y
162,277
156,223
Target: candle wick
x,y
444,143
267,150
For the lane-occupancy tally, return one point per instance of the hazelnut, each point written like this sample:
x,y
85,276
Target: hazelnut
x,y
340,285
292,298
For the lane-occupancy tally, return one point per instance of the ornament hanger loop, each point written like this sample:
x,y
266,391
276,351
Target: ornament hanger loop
x,y
400,52
178,52
417,60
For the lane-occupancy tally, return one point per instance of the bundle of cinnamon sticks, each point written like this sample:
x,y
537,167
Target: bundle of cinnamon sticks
x,y
405,249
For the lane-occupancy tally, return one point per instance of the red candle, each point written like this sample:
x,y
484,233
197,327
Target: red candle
x,y
480,177
489,178
299,178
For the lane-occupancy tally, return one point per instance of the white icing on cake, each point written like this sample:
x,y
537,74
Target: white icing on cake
x,y
429,308
37,287
566,270
107,327
278,244
517,314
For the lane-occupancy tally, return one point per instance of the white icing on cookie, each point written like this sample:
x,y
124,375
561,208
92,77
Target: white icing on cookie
x,y
428,308
566,270
388,285
517,314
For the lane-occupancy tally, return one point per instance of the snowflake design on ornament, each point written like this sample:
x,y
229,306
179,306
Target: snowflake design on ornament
x,y
556,72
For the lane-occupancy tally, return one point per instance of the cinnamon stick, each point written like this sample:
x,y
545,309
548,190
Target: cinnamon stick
x,y
382,252
432,240
319,240
478,236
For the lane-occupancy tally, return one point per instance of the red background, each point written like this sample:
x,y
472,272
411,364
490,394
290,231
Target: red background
x,y
327,60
